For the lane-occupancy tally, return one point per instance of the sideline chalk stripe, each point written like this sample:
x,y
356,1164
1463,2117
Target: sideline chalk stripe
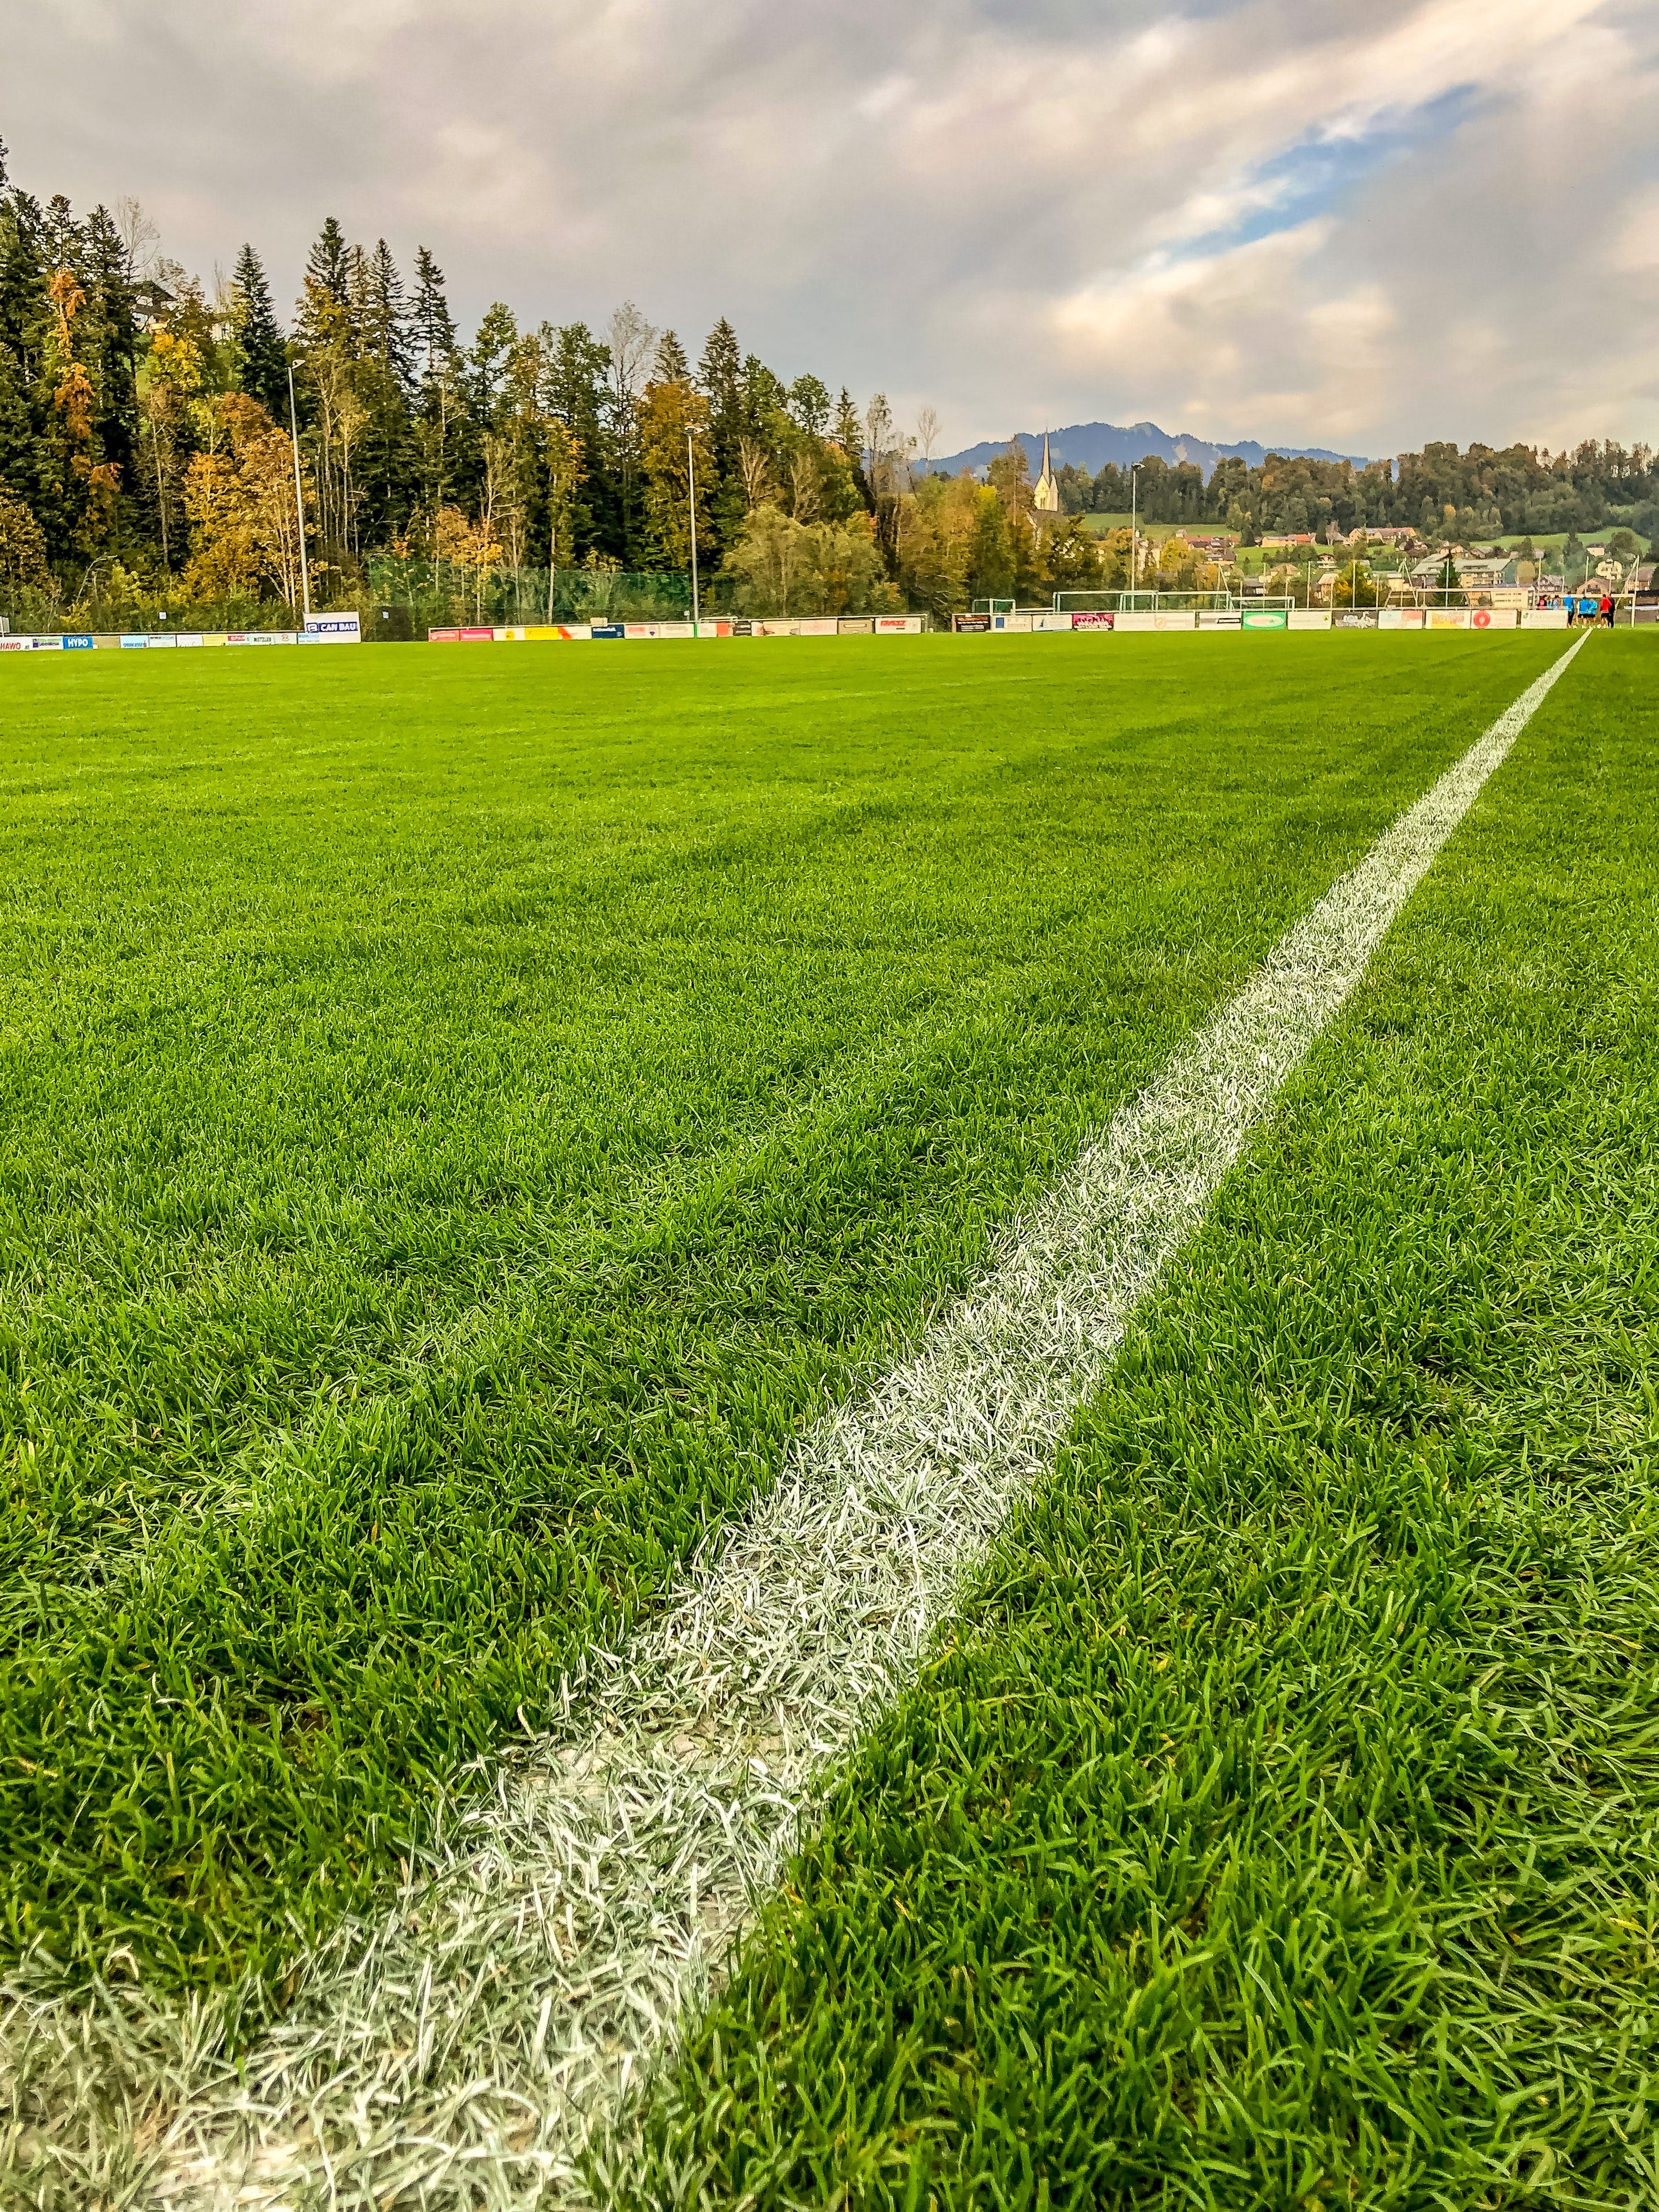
x,y
485,2037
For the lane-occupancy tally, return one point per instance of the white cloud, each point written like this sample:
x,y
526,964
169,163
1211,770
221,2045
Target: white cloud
x,y
1308,220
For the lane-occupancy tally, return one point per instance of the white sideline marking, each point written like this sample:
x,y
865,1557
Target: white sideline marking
x,y
476,2044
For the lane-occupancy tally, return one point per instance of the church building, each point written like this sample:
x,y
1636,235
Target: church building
x,y
1045,500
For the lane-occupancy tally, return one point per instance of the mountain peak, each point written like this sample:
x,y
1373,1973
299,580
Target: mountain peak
x,y
1091,445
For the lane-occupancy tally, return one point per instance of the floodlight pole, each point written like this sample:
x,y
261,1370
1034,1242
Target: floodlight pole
x,y
691,495
299,495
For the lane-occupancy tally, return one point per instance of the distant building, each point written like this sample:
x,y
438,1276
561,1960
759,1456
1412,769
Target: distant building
x,y
1480,575
1045,500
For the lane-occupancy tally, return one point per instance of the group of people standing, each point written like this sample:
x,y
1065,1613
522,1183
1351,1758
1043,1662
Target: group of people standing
x,y
1587,608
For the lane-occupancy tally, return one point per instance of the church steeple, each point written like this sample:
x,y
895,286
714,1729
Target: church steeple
x,y
1045,498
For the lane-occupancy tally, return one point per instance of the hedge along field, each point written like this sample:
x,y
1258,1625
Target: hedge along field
x,y
1281,1826
464,1114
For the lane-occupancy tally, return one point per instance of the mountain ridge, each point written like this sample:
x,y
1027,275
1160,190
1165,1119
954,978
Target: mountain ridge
x,y
1091,445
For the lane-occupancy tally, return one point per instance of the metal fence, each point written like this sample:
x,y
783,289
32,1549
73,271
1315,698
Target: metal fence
x,y
1151,603
437,594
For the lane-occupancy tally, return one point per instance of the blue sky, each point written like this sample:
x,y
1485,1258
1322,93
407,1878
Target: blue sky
x,y
1317,221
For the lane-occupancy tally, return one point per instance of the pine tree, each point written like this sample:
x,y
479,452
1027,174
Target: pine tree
x,y
849,436
670,365
498,333
262,365
575,367
323,318
439,386
386,337
328,266
111,343
24,308
384,385
432,326
719,373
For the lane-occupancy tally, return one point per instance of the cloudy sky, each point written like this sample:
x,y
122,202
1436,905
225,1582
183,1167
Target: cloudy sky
x,y
1359,223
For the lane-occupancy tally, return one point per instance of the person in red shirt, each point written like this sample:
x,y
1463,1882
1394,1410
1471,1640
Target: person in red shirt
x,y
1606,608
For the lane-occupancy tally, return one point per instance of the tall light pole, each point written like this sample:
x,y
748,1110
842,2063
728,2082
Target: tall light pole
x,y
298,494
1134,525
691,495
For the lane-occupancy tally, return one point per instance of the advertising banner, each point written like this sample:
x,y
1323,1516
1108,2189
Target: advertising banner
x,y
188,637
77,642
816,626
607,629
1494,617
1011,622
128,643
1094,618
1544,618
1218,618
657,629
1136,620
855,626
334,629
443,637
1401,618
1176,618
898,625
484,636
1309,618
1449,617
1262,618
970,622
1354,618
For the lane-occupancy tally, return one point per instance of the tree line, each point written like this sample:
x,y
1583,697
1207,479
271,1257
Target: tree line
x,y
145,454
1446,497
144,425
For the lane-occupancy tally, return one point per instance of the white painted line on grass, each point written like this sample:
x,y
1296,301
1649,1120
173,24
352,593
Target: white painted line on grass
x,y
471,2048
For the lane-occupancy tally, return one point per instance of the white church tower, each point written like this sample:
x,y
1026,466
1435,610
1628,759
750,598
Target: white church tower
x,y
1045,500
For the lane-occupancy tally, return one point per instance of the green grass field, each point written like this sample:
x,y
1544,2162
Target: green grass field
x,y
1282,1826
466,1114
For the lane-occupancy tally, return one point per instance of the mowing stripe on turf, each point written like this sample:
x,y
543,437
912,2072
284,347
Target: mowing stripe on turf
x,y
483,2039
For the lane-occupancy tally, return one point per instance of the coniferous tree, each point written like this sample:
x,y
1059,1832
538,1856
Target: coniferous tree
x,y
575,365
670,365
386,337
262,365
110,344
438,389
385,381
720,373
328,266
23,311
849,436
